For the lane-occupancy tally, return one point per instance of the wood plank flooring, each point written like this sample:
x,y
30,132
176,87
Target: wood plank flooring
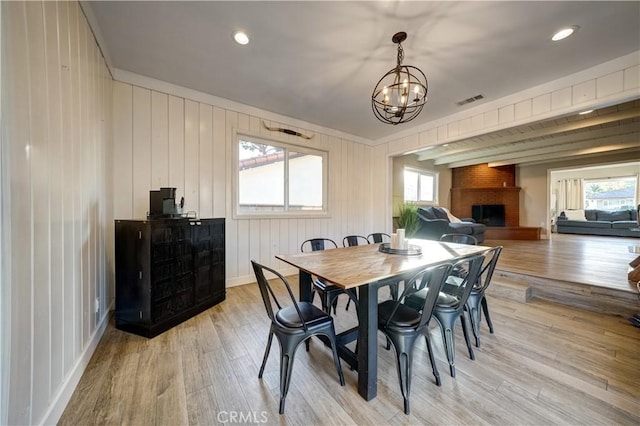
x,y
545,364
594,260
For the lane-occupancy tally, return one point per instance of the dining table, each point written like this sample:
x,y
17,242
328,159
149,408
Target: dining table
x,y
368,268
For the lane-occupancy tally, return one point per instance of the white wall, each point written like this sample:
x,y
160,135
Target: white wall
x,y
56,94
163,137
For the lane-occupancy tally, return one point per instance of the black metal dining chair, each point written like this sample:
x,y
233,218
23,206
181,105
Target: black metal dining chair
x,y
459,238
354,240
477,299
328,292
378,237
450,306
292,324
403,324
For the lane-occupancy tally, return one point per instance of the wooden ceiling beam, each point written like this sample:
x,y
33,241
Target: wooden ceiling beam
x,y
528,144
485,141
598,145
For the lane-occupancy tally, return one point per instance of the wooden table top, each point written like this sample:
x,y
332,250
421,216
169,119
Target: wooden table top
x,y
350,267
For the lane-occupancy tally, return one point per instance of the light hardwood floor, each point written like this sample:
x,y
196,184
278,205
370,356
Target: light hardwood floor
x,y
594,260
545,364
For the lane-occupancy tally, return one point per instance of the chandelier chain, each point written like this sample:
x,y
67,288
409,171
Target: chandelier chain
x,y
400,55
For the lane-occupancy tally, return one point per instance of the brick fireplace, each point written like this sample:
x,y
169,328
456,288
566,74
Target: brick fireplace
x,y
481,184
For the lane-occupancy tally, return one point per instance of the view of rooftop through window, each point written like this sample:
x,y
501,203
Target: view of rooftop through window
x,y
279,178
610,194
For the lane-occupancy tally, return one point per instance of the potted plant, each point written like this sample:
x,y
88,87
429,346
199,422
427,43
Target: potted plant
x,y
408,218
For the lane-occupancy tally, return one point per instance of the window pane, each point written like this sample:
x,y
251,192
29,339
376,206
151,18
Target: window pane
x,y
426,188
280,179
305,181
610,194
410,185
261,176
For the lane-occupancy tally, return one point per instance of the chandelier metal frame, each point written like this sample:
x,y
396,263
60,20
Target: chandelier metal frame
x,y
402,92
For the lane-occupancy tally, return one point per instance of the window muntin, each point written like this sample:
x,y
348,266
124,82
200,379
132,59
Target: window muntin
x,y
275,178
420,186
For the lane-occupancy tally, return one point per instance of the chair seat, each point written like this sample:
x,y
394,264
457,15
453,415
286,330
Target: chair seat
x,y
312,315
447,301
405,316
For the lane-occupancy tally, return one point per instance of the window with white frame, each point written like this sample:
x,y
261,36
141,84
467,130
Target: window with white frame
x,y
420,186
612,194
274,179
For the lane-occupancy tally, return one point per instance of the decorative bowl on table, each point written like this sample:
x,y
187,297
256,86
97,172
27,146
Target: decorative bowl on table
x,y
411,250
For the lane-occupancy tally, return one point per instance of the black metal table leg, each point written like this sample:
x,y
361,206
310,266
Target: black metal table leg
x,y
368,341
304,286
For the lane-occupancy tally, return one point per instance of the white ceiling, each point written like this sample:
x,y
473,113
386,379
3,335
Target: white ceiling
x,y
319,61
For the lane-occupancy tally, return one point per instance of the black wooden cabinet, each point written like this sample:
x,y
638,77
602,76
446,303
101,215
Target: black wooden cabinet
x,y
167,270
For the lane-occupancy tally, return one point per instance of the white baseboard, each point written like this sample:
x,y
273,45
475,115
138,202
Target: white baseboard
x,y
62,397
248,279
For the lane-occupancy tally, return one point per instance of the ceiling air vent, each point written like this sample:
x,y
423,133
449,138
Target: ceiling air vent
x,y
471,99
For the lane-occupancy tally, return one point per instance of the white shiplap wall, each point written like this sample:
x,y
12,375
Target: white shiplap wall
x,y
56,110
163,139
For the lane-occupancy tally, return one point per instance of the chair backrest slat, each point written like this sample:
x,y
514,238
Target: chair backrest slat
x,y
378,237
354,240
316,244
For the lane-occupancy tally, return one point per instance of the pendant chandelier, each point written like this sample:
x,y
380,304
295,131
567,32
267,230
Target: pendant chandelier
x,y
402,92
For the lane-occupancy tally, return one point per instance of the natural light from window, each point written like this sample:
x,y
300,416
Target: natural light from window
x,y
610,194
276,178
420,186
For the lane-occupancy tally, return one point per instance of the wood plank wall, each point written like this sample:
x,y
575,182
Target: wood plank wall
x,y
164,140
56,106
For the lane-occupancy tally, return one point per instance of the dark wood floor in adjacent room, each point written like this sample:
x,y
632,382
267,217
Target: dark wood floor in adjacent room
x,y
545,364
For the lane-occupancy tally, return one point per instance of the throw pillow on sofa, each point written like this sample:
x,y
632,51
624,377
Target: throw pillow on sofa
x,y
427,213
591,214
575,214
440,213
614,216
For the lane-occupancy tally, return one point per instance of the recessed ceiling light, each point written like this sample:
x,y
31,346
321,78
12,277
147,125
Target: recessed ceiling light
x,y
586,112
241,37
564,33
